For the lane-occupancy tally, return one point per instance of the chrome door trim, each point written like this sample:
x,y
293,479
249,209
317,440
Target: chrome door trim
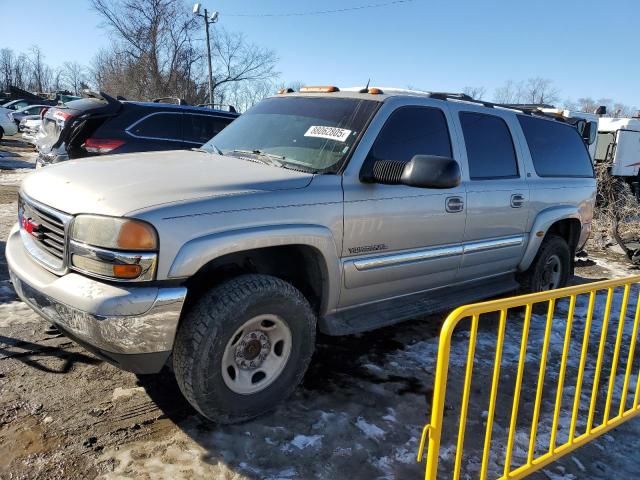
x,y
403,258
484,245
406,257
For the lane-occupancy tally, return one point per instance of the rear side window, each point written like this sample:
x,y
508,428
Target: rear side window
x,y
412,131
557,149
201,128
490,150
162,126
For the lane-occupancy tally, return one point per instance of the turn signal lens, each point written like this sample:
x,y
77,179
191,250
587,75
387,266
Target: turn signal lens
x,y
137,236
127,271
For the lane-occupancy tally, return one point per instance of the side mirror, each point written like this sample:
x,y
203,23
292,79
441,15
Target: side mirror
x,y
423,171
590,133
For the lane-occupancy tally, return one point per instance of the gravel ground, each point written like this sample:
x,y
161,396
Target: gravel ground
x,y
65,414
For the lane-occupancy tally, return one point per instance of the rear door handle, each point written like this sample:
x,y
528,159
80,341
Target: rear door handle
x,y
517,200
454,204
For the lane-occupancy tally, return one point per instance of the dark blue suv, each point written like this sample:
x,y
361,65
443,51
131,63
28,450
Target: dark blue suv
x,y
100,124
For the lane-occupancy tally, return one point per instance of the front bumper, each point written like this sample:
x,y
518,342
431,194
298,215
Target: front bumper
x,y
131,326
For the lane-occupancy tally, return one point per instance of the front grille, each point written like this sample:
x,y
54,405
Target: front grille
x,y
43,233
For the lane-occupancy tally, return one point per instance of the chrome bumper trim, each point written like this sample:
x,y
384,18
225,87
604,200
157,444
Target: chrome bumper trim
x,y
152,331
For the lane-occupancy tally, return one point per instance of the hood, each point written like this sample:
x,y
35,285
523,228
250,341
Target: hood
x,y
120,184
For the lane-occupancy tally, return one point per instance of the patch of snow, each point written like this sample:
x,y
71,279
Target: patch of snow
x,y
369,429
304,441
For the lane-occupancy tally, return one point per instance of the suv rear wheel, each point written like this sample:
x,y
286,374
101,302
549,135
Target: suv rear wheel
x,y
243,347
550,269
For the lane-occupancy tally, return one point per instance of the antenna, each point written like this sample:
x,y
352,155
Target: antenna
x,y
365,89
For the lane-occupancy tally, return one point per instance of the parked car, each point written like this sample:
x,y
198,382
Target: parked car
x,y
324,210
30,127
18,115
7,125
17,104
100,124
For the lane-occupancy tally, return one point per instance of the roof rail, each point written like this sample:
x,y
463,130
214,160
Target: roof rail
x,y
171,100
219,106
527,109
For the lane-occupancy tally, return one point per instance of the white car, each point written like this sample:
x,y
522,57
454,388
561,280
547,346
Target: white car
x,y
30,126
7,125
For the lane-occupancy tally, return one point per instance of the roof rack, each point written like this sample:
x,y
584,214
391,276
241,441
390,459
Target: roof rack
x,y
219,106
526,108
170,100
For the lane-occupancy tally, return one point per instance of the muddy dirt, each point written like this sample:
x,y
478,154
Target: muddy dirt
x,y
64,414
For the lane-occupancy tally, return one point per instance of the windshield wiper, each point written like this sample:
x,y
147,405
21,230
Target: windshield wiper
x,y
274,159
217,150
277,160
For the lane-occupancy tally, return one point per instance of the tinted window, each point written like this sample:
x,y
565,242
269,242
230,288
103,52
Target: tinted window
x,y
489,145
412,131
557,149
158,125
201,128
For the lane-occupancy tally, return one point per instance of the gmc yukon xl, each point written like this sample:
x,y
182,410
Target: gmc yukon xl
x,y
316,211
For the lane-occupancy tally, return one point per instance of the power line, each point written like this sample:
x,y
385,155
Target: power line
x,y
319,12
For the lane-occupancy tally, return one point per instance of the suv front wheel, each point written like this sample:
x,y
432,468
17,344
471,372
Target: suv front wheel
x,y
243,347
550,268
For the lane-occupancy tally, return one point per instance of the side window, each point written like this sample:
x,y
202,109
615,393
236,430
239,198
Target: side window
x,y
163,126
201,128
557,149
412,131
490,150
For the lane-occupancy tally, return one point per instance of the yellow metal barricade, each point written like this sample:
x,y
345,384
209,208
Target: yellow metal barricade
x,y
596,359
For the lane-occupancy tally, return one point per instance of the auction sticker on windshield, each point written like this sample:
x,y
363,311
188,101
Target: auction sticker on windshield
x,y
332,133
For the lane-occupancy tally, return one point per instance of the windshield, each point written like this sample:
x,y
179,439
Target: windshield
x,y
313,133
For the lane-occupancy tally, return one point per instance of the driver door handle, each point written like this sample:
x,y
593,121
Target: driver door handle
x,y
517,200
454,204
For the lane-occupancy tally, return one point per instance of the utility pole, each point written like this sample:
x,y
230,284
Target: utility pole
x,y
213,18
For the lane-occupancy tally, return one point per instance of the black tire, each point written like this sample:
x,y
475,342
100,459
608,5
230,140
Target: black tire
x,y
1,133
207,328
535,279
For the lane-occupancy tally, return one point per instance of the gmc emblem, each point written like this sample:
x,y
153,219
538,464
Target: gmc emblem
x,y
31,227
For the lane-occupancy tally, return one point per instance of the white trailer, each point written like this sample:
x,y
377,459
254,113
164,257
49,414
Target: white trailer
x,y
619,144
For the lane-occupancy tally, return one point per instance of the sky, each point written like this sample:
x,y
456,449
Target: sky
x,y
588,48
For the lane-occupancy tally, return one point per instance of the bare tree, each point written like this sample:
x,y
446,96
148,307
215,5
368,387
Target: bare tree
x,y
73,74
40,72
153,42
7,60
475,92
156,53
540,91
237,61
510,92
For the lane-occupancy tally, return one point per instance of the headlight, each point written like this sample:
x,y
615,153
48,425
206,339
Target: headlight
x,y
113,248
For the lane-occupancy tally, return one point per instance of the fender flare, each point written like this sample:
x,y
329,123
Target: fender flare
x,y
541,225
197,252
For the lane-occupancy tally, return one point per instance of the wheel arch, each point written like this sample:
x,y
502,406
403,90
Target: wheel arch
x,y
562,221
305,256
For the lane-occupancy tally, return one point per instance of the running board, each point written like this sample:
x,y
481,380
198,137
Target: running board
x,y
388,312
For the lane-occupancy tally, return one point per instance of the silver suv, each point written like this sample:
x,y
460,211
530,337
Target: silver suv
x,y
323,210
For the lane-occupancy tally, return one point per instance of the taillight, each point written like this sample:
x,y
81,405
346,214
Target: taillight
x,y
61,116
102,145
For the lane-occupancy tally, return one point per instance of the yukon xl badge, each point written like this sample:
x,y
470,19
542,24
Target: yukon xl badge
x,y
368,248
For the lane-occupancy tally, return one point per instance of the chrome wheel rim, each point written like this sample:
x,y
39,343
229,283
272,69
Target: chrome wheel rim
x,y
551,273
256,354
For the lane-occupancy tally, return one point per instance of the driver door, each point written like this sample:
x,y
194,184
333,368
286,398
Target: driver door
x,y
400,239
